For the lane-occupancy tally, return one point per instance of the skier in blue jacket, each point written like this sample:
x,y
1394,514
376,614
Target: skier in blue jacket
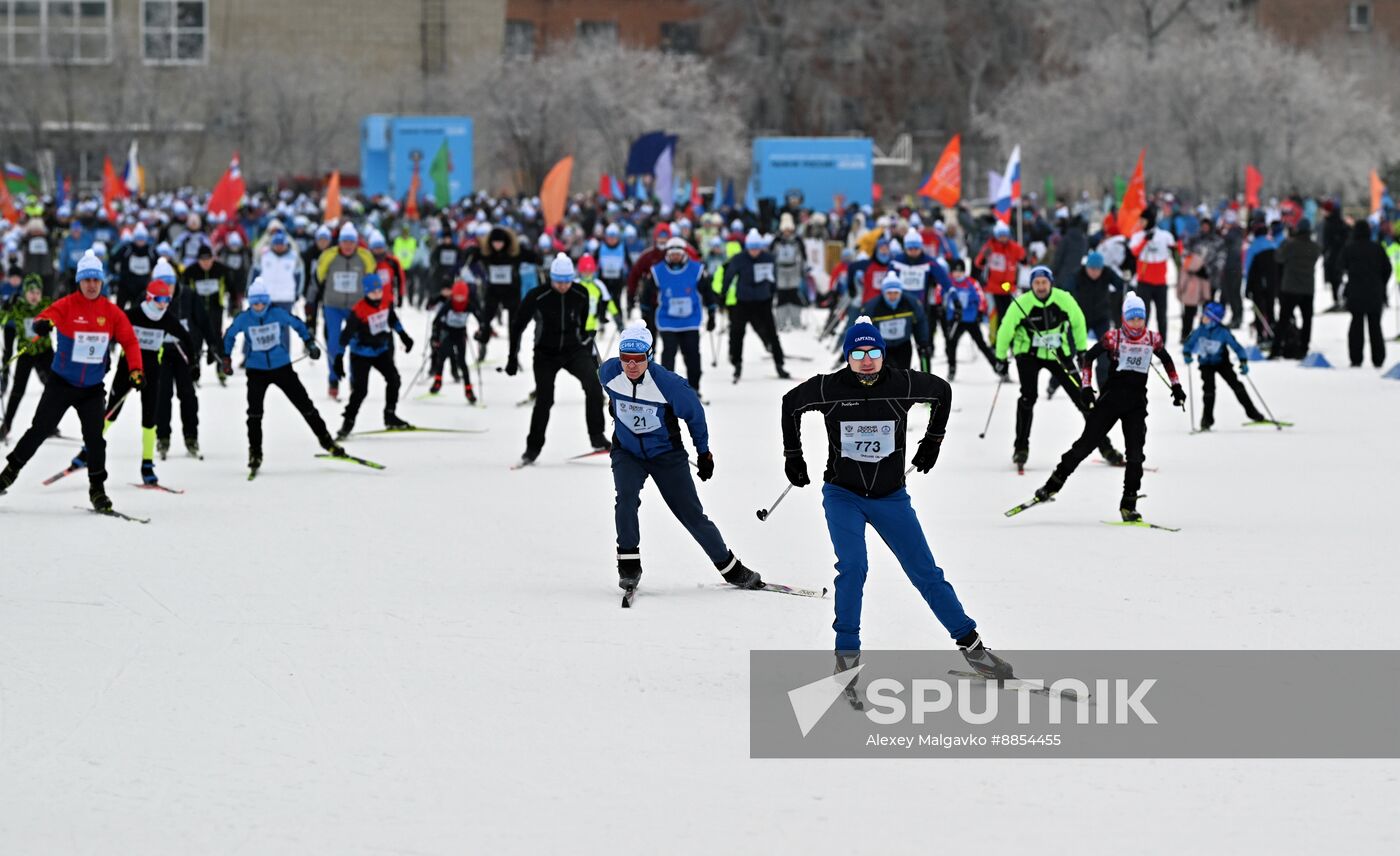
x,y
1210,341
647,402
270,364
899,314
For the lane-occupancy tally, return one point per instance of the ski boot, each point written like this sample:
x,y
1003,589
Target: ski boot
x,y
952,373
7,477
4,433
736,574
148,472
982,660
600,443
845,662
1020,455
334,391
254,460
192,447
332,447
393,423
1207,422
737,372
223,379
437,385
1111,455
629,569
783,373
1047,491
162,447
471,395
98,497
529,457
345,428
1128,509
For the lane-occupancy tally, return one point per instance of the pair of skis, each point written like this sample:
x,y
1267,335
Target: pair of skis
x,y
418,429
523,463
629,594
1141,524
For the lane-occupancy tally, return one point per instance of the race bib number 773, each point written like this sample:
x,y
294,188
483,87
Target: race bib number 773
x,y
870,442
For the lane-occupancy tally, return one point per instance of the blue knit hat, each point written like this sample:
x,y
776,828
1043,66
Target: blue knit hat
x,y
90,266
1215,312
1094,260
863,334
371,282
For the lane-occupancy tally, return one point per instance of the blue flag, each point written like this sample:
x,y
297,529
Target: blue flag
x,y
60,196
641,158
728,194
751,195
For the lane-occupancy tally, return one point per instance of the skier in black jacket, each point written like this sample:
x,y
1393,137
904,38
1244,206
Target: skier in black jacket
x,y
499,260
560,311
864,407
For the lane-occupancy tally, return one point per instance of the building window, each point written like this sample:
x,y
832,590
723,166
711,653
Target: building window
x,y
520,39
56,31
681,37
175,32
1359,17
598,34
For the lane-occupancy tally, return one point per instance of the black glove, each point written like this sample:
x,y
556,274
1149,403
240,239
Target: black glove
x,y
1002,367
925,352
927,456
710,322
227,367
796,470
1088,393
1178,396
512,365
42,327
407,342
705,466
138,378
340,365
313,350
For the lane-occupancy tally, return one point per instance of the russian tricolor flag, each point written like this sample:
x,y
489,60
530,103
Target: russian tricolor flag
x,y
1009,194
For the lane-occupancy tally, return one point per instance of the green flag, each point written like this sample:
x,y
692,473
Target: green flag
x,y
1050,191
1120,187
439,172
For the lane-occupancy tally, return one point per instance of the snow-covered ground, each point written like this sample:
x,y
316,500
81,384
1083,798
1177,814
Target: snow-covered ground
x,y
431,659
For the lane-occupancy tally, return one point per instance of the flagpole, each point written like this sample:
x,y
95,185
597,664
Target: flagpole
x,y
1019,218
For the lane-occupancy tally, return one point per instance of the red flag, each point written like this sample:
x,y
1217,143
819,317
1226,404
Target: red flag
x,y
944,186
1253,182
113,188
876,192
410,204
332,207
695,201
1134,200
554,191
1377,192
229,191
605,186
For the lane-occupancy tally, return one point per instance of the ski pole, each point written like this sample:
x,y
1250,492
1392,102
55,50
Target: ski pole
x,y
764,512
1263,402
1191,398
990,411
118,406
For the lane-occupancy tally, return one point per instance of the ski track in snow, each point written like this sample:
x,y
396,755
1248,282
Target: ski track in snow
x,y
431,659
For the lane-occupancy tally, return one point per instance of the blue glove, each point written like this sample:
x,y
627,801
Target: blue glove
x,y
1244,366
1188,358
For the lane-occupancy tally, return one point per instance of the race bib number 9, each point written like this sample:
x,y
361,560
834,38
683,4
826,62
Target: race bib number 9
x,y
265,337
149,338
345,282
498,274
1048,341
869,442
763,272
680,307
378,322
1134,358
639,418
894,328
89,348
206,287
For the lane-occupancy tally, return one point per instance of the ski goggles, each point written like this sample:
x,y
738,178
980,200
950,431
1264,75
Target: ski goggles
x,y
633,358
159,299
861,353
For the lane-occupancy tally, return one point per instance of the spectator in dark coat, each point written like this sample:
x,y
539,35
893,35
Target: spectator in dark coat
x,y
1334,241
1297,260
1367,269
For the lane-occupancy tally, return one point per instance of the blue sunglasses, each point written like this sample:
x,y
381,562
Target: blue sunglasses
x,y
861,354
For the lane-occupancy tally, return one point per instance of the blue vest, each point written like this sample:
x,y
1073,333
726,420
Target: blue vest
x,y
678,303
612,262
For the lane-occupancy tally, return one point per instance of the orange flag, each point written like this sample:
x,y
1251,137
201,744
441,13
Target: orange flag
x,y
555,191
7,204
945,185
1134,200
1253,183
1377,191
332,206
113,188
410,205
